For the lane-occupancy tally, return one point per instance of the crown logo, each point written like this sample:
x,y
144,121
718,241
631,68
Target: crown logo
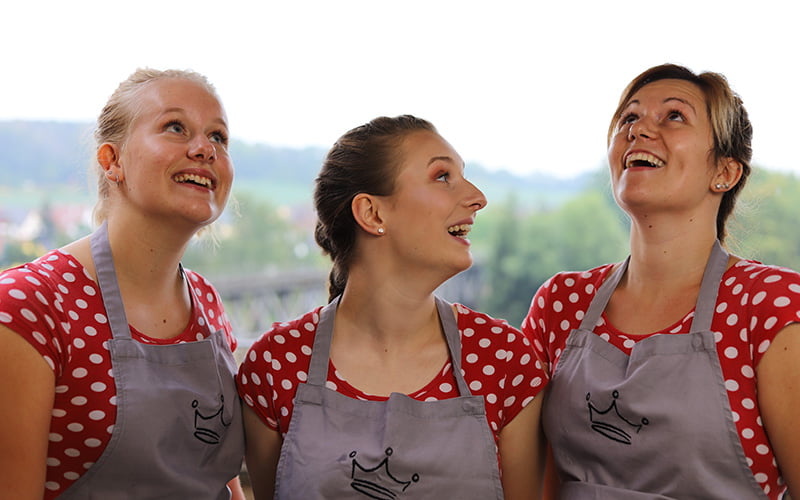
x,y
378,482
208,428
612,424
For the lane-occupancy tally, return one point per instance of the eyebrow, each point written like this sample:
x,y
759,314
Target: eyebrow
x,y
444,158
220,120
665,101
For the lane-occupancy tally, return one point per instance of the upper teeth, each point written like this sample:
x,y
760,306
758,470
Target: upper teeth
x,y
459,228
655,161
198,179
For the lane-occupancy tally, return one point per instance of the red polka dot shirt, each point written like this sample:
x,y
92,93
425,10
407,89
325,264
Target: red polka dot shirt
x,y
497,361
54,304
754,303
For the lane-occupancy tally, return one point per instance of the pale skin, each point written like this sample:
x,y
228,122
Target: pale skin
x,y
673,212
387,336
151,219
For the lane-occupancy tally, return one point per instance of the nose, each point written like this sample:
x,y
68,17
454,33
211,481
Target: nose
x,y
640,128
476,198
202,149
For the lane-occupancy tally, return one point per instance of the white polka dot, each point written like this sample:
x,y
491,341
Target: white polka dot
x,y
96,358
748,433
286,384
72,452
747,371
536,381
731,352
557,306
491,398
5,317
770,322
75,427
79,400
97,415
629,343
763,346
731,385
484,342
80,372
761,478
732,319
748,403
502,354
445,387
52,485
759,297
55,437
509,401
488,370
302,376
517,380
762,449
92,442
773,278
475,385
565,325
468,332
53,462
721,307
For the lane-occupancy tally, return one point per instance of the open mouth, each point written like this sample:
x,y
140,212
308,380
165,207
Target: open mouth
x,y
643,160
460,230
197,180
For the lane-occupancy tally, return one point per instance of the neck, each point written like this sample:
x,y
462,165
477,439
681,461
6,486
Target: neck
x,y
663,251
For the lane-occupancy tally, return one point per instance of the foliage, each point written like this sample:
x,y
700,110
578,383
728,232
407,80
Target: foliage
x,y
584,232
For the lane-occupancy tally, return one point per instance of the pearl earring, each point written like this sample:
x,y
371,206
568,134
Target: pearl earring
x,y
381,230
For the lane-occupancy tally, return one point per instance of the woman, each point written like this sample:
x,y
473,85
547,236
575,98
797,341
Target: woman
x,y
674,374
389,389
119,360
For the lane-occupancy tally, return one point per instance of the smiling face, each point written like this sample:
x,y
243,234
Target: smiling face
x,y
174,161
433,205
660,150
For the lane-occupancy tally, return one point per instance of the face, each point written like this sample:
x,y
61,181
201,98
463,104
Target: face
x,y
175,163
660,153
433,207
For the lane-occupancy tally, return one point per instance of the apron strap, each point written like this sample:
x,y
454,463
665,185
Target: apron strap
x,y
321,350
709,287
706,300
600,300
107,281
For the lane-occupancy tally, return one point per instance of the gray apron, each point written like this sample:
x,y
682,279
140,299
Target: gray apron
x,y
178,432
342,448
653,425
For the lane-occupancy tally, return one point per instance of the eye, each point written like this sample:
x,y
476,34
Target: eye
x,y
174,126
443,177
629,118
675,115
219,137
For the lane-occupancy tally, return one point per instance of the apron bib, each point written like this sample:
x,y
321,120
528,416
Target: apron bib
x,y
343,448
178,431
653,425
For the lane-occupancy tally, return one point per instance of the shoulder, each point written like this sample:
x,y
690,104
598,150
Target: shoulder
x,y
764,285
292,339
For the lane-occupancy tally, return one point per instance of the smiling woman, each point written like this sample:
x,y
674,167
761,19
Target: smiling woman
x,y
682,347
389,388
111,328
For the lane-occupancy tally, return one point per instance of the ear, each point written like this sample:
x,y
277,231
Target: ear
x,y
366,212
108,158
729,172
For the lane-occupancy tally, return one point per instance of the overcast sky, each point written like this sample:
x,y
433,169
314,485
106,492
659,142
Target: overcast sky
x,y
524,86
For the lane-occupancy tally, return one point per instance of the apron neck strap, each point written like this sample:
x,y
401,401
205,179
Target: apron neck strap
x,y
321,350
706,299
107,281
709,287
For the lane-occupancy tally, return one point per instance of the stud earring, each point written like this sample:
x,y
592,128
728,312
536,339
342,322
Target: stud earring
x,y
721,187
381,230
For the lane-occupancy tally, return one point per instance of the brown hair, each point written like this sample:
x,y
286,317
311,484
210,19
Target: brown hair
x,y
363,160
119,113
731,126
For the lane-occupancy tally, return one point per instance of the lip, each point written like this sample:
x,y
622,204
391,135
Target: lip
x,y
199,173
470,221
642,154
